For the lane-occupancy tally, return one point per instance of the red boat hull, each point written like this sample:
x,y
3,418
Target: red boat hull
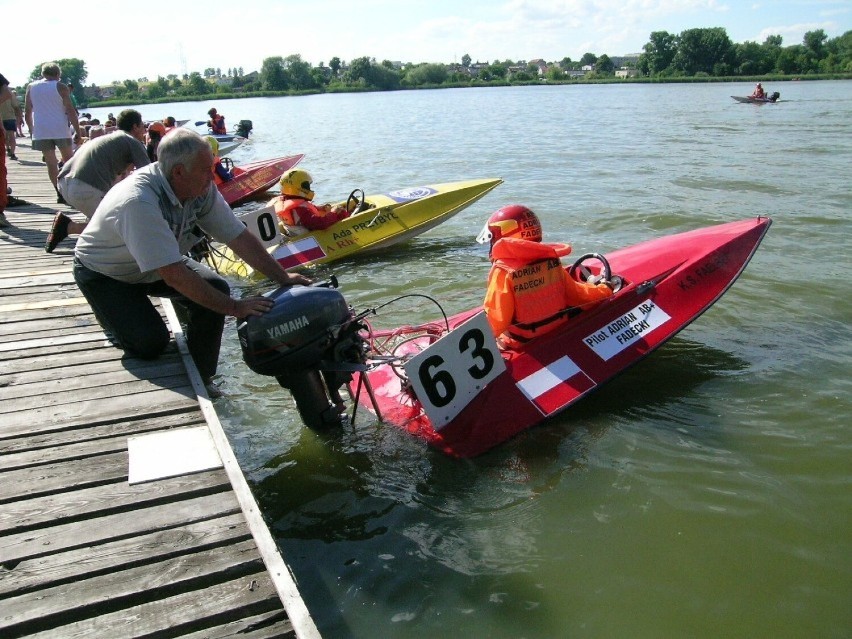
x,y
669,282
255,177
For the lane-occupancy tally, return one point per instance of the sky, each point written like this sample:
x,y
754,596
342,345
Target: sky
x,y
159,38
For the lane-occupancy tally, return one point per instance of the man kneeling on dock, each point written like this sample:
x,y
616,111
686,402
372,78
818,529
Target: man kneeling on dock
x,y
135,246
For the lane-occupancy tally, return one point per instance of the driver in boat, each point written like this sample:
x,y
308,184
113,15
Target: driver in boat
x,y
216,122
529,291
295,209
758,92
220,173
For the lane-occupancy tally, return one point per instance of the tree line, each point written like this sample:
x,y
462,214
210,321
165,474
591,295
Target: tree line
x,y
692,54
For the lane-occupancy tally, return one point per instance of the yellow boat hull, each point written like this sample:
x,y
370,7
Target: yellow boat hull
x,y
395,217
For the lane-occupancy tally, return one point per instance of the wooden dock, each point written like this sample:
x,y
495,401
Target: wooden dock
x,y
83,551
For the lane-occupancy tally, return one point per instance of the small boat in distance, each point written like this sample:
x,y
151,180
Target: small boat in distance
x,y
748,99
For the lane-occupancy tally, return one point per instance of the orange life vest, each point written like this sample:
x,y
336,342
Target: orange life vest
x,y
294,211
217,125
539,292
529,285
285,210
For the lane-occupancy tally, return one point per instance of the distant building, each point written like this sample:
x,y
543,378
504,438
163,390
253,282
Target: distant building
x,y
540,64
626,72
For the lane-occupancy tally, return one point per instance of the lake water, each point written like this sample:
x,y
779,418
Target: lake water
x,y
704,493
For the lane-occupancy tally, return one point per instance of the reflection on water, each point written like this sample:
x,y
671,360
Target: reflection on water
x,y
702,493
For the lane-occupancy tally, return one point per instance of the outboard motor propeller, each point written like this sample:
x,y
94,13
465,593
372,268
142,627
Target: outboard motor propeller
x,y
310,342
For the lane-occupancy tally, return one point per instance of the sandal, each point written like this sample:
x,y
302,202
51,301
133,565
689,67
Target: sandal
x,y
58,232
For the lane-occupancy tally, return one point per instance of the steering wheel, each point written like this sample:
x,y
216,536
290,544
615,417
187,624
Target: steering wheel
x,y
586,274
356,201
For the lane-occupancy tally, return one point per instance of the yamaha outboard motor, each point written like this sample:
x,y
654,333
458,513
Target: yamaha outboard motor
x,y
244,127
309,341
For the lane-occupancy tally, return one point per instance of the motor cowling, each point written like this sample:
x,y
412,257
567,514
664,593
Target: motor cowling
x,y
296,334
244,127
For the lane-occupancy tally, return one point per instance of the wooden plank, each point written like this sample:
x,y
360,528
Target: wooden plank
x,y
60,452
98,411
36,375
38,543
113,556
13,307
55,388
56,342
63,476
25,332
57,278
268,625
50,446
247,595
83,392
38,359
58,268
54,509
52,353
116,591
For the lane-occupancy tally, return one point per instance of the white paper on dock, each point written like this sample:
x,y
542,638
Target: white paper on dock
x,y
171,453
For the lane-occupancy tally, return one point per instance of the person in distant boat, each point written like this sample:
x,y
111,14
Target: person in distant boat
x,y
295,207
758,92
220,173
216,122
169,122
136,243
529,291
99,165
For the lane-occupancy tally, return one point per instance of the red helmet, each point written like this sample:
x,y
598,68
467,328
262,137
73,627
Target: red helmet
x,y
514,220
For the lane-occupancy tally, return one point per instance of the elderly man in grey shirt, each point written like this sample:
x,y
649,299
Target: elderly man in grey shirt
x,y
94,169
135,246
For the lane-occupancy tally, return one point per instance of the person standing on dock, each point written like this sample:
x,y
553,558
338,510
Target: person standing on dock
x,y
5,96
9,115
136,243
49,113
95,169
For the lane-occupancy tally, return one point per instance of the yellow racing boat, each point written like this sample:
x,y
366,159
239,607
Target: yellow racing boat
x,y
381,220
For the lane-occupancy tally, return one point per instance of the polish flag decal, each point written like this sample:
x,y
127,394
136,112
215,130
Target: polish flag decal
x,y
298,253
554,386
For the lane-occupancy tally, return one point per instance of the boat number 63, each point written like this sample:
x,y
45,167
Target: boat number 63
x,y
453,370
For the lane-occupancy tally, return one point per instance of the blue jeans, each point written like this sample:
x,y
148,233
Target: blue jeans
x,y
126,311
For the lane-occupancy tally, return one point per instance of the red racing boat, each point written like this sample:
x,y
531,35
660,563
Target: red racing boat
x,y
254,178
447,382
